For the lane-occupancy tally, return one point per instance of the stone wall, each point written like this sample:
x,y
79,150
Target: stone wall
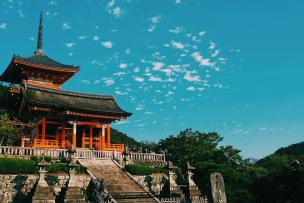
x,y
153,183
10,185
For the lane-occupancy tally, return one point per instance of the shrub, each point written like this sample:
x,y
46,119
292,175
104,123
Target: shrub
x,y
138,169
16,166
48,158
57,167
34,158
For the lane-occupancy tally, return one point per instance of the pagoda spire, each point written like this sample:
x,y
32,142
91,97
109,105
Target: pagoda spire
x,y
39,50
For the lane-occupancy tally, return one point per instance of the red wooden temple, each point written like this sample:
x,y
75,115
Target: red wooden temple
x,y
61,118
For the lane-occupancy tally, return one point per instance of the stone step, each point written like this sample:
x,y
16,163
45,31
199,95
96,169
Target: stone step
x,y
117,182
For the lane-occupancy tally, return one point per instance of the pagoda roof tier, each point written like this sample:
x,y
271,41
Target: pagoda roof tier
x,y
38,66
73,103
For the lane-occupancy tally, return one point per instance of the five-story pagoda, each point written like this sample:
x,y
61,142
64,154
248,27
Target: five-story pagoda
x,y
61,118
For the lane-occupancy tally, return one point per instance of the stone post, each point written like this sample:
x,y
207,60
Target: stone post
x,y
218,188
42,171
173,187
193,189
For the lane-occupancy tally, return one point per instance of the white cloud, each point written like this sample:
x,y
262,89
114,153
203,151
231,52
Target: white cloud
x,y
177,45
212,45
123,65
151,28
139,79
191,88
155,19
216,53
136,69
191,78
117,11
178,1
155,79
118,92
3,26
176,30
70,44
157,65
82,37
66,26
87,82
202,33
108,81
107,44
111,3
95,38
202,61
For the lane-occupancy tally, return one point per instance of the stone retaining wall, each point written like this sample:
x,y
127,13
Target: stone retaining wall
x,y
11,184
153,183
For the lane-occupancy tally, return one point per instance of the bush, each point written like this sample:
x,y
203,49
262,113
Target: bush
x,y
16,166
138,169
48,158
34,158
57,167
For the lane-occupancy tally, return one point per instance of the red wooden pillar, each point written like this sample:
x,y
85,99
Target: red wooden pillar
x,y
83,139
37,134
43,130
63,136
74,135
56,137
108,135
91,138
22,141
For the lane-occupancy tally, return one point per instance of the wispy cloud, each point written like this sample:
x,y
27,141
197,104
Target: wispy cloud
x,y
107,44
3,26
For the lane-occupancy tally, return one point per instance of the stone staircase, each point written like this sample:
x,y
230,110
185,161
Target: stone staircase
x,y
117,183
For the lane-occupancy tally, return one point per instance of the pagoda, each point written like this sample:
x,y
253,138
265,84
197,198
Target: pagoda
x,y
61,118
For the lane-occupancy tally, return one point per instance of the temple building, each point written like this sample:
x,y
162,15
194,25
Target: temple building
x,y
61,118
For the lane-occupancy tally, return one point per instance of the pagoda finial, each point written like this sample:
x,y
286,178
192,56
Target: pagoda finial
x,y
39,50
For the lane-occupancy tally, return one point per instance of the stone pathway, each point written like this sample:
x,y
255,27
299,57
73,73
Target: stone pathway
x,y
117,182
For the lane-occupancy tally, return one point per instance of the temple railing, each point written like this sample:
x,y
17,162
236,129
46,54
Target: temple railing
x,y
29,151
80,153
134,156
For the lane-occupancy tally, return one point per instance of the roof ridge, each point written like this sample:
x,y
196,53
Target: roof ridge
x,y
85,95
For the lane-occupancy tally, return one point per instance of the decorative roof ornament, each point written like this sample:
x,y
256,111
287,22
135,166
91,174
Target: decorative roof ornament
x,y
39,50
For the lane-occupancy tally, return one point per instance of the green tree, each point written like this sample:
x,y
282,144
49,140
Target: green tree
x,y
9,133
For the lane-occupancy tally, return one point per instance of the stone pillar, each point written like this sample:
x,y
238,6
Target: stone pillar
x,y
74,135
43,192
218,188
173,187
194,192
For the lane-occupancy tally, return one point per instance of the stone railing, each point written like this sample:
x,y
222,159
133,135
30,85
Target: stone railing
x,y
146,157
28,151
80,153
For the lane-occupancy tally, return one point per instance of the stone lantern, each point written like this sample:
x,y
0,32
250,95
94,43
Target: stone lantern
x,y
194,192
42,171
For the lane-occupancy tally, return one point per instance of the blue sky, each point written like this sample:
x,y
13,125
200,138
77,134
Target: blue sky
x,y
234,67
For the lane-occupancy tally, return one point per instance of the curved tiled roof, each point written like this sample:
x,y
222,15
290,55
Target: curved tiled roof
x,y
43,60
72,101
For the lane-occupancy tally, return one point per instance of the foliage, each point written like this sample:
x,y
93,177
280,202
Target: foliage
x,y
140,169
118,137
9,134
81,169
17,166
57,167
202,150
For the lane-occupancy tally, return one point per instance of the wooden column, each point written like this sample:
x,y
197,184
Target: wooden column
x,y
63,135
37,134
83,139
108,135
43,130
74,135
91,138
57,137
101,139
